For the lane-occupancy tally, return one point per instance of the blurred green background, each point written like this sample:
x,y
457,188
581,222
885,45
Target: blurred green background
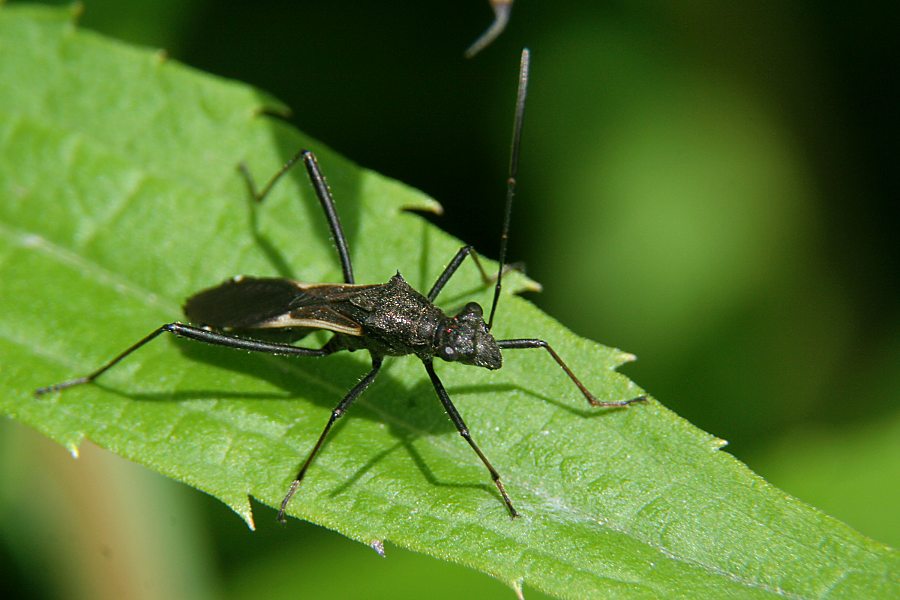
x,y
711,187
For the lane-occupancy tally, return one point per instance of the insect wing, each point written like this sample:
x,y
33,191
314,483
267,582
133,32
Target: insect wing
x,y
247,303
316,317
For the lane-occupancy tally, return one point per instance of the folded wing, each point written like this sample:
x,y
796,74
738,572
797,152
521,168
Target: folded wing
x,y
248,303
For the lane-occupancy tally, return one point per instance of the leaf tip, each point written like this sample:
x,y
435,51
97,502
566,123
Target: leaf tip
x,y
72,445
517,586
523,284
270,107
627,357
718,443
244,510
73,450
425,204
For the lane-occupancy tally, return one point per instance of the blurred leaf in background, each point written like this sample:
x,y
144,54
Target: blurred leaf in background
x,y
721,189
708,186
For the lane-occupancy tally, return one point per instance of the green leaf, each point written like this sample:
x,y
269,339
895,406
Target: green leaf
x,y
120,198
861,457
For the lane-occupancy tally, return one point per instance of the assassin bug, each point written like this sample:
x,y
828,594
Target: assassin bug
x,y
387,319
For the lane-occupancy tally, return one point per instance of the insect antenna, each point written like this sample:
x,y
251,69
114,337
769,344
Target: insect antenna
x,y
513,172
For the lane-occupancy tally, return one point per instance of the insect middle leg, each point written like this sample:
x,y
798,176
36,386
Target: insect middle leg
x,y
201,335
464,432
452,267
535,343
336,414
323,193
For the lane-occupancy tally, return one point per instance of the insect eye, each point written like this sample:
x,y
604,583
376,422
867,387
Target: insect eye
x,y
473,308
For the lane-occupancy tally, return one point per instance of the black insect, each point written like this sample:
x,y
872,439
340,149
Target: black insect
x,y
387,319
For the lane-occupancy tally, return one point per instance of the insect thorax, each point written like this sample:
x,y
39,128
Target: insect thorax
x,y
396,319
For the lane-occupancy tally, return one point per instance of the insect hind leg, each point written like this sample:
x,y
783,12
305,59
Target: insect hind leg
x,y
336,414
323,193
197,334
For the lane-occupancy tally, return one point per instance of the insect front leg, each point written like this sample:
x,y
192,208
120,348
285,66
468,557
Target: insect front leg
x,y
336,414
464,432
534,343
323,193
197,334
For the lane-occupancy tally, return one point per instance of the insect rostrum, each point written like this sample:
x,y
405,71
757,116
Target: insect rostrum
x,y
386,319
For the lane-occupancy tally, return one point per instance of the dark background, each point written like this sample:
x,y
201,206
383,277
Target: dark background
x,y
711,187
